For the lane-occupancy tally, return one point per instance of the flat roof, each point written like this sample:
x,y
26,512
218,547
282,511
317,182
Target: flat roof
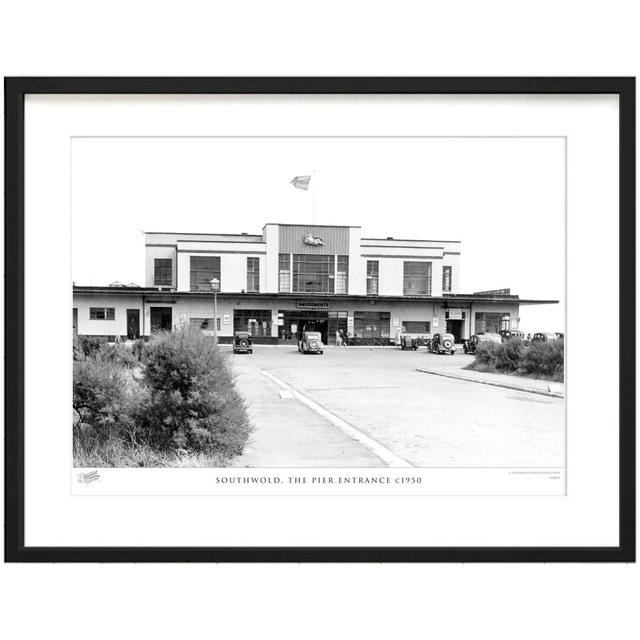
x,y
409,240
456,297
206,233
324,226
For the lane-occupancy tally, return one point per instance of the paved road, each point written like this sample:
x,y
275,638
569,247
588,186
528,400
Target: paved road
x,y
428,421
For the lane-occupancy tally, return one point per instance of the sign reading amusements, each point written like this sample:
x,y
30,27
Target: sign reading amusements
x,y
312,305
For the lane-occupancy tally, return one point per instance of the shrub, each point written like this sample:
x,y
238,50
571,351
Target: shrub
x,y
85,345
192,402
509,355
101,399
118,353
544,359
540,359
487,354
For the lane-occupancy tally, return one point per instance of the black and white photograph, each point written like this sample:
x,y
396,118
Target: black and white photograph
x,y
307,319
326,302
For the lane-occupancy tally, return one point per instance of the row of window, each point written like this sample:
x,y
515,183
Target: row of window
x,y
202,270
307,274
366,324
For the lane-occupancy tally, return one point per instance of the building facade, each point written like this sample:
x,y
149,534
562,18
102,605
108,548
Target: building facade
x,y
293,278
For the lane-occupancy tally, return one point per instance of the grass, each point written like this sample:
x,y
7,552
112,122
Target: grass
x,y
115,453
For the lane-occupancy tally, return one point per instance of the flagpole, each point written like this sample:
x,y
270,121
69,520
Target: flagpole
x,y
313,189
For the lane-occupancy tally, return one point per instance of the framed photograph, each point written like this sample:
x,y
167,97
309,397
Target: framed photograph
x,y
320,319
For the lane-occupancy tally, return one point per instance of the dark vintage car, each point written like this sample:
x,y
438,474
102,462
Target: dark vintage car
x,y
242,342
311,342
414,340
544,337
471,345
442,343
510,334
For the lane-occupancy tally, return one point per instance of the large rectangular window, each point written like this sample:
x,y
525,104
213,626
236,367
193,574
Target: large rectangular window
x,y
446,279
253,274
162,272
342,275
417,278
371,324
416,326
373,267
492,322
256,321
203,270
204,324
313,274
102,313
284,273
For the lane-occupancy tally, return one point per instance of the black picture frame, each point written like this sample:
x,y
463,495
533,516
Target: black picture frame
x,y
15,91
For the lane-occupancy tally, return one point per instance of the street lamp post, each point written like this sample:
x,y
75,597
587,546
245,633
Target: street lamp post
x,y
215,287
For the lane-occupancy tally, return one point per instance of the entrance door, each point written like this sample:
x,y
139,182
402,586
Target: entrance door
x,y
75,323
161,319
337,322
455,327
133,324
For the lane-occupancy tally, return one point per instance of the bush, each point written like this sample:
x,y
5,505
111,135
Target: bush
x,y
487,354
509,355
192,402
539,359
101,399
84,346
544,359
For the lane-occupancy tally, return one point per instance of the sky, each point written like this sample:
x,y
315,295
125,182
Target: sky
x,y
504,198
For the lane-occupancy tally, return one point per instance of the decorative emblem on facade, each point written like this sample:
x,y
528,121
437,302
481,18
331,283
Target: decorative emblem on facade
x,y
314,242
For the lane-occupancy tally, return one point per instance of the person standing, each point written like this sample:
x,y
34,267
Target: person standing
x,y
338,339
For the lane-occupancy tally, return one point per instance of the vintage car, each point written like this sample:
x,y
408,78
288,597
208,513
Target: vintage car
x,y
242,342
510,334
442,343
544,337
471,345
414,340
311,342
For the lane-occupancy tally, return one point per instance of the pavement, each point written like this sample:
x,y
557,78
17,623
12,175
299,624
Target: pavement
x,y
372,407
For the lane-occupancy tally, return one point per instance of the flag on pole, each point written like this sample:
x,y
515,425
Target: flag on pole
x,y
301,182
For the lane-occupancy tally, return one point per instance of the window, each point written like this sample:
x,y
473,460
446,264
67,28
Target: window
x,y
446,278
253,274
204,324
284,271
342,275
371,324
203,270
417,278
492,322
313,273
372,277
162,272
416,326
256,321
102,313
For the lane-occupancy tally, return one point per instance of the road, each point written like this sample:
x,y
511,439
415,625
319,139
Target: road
x,y
296,400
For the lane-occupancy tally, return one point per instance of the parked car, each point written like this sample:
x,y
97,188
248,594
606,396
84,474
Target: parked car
x,y
471,345
544,337
311,342
510,334
242,342
442,343
414,340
